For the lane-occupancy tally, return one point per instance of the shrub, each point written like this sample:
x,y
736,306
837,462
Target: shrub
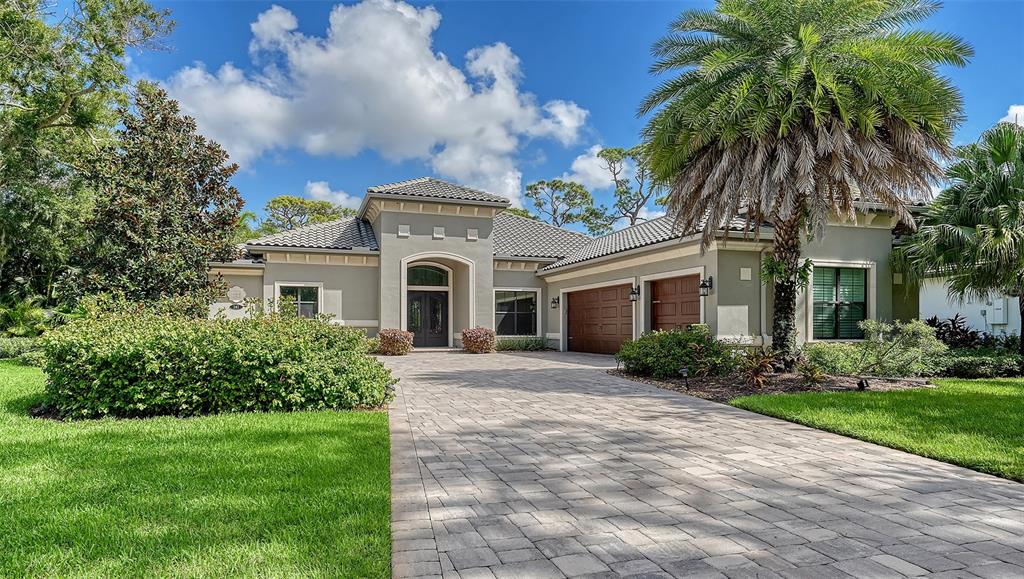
x,y
479,340
662,354
373,345
757,367
894,349
811,373
394,342
23,318
148,365
981,363
522,344
14,347
955,332
33,358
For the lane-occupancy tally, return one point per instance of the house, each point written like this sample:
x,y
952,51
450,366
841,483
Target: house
x,y
436,258
997,315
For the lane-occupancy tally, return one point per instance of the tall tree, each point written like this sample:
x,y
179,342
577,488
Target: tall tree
x,y
794,110
561,202
630,172
973,233
165,206
61,79
520,212
287,212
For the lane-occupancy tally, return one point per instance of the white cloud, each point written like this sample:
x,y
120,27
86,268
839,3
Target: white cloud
x,y
374,81
321,191
1015,114
591,171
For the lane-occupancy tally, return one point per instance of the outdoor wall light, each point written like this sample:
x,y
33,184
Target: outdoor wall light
x,y
706,285
634,294
554,303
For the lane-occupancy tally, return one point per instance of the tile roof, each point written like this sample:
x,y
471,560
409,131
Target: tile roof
x,y
431,188
640,235
345,233
523,237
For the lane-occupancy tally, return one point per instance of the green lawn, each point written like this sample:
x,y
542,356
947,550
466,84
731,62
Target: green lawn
x,y
303,494
978,424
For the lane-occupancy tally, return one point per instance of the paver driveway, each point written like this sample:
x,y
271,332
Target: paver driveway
x,y
538,465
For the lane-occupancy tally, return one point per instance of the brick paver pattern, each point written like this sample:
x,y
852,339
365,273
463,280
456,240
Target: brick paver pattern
x,y
544,465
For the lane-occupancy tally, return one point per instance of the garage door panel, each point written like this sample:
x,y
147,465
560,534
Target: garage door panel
x,y
599,320
675,302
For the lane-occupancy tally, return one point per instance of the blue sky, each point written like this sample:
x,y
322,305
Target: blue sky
x,y
491,94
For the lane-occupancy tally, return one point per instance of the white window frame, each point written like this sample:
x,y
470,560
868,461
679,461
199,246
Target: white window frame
x,y
536,290
319,293
872,270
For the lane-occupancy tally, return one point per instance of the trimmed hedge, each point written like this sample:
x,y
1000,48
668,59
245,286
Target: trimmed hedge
x,y
522,344
15,347
662,354
982,363
393,342
479,340
148,365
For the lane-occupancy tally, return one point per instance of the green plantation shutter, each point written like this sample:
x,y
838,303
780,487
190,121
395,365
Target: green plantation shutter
x,y
824,303
840,302
853,302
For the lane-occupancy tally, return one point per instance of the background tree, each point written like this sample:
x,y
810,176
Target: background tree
x,y
973,233
561,202
632,192
287,212
520,212
165,206
794,111
61,79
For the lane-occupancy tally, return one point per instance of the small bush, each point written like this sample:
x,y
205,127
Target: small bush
x,y
373,345
662,354
982,363
811,373
149,365
32,358
14,347
757,367
479,340
394,342
955,332
522,344
891,349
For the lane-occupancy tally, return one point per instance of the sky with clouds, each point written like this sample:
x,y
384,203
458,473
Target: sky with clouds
x,y
324,99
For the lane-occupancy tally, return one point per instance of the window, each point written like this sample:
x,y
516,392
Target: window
x,y
306,299
427,275
840,302
515,313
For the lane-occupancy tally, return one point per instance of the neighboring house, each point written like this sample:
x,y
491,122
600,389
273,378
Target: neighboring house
x,y
437,258
996,315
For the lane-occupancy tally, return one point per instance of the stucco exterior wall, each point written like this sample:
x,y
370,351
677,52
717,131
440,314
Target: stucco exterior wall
x,y
996,315
253,286
738,291
349,292
463,256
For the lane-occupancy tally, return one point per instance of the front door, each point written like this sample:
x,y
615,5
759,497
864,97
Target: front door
x,y
428,318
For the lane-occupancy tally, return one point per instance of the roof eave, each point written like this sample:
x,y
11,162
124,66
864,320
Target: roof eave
x,y
262,248
361,213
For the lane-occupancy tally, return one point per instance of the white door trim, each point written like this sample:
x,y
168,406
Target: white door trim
x,y
423,258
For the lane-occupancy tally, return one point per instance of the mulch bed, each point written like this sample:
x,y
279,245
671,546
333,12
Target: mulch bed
x,y
725,388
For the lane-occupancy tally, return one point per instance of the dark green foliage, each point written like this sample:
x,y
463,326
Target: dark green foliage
x,y
22,318
890,349
165,207
522,344
150,365
955,332
662,354
982,363
14,347
32,358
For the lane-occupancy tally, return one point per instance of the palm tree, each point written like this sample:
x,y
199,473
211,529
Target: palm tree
x,y
791,111
973,234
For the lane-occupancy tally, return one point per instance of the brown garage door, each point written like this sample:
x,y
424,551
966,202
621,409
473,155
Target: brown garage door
x,y
600,320
675,302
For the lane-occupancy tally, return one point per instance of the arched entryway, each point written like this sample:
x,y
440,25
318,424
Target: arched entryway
x,y
437,298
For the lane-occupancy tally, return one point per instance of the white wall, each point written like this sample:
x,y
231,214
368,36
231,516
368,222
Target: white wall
x,y
980,315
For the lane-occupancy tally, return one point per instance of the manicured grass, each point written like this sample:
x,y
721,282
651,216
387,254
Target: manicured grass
x,y
303,494
978,424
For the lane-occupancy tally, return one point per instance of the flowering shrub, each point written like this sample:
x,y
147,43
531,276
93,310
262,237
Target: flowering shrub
x,y
479,340
394,342
143,364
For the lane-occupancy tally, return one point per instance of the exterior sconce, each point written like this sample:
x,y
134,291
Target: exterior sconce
x,y
554,303
706,285
634,294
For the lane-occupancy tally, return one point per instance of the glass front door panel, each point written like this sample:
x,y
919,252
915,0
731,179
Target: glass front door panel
x,y
428,318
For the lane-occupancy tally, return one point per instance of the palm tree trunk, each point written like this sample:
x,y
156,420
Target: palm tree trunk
x,y
786,251
1020,309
